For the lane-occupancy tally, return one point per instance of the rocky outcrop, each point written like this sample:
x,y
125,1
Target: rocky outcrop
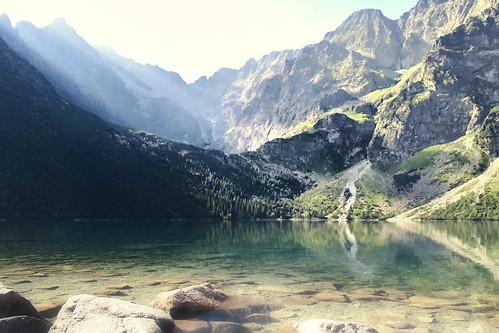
x,y
446,97
488,136
263,105
371,34
431,19
12,304
189,302
332,145
331,326
284,89
86,313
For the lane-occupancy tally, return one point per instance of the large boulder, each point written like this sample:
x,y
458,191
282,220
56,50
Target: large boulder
x,y
12,304
24,324
189,302
86,313
331,326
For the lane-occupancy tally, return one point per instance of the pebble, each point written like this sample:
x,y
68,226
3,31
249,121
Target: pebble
x,y
494,322
153,283
430,302
330,297
23,272
285,329
39,275
400,325
260,318
119,287
48,287
197,326
176,281
22,282
274,289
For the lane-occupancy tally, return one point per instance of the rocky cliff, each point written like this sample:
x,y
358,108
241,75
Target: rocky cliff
x,y
449,95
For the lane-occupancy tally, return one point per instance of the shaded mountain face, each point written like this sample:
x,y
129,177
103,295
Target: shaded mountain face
x,y
110,86
334,144
449,95
60,161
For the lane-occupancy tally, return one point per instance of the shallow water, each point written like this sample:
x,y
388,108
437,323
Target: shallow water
x,y
428,277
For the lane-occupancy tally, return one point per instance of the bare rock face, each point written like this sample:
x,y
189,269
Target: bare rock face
x,y
331,326
189,302
371,34
449,95
431,19
13,304
334,144
86,313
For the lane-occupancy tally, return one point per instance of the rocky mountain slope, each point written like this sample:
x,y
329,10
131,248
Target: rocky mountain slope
x,y
285,89
447,96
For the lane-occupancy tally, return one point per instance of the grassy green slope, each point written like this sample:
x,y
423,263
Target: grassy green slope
x,y
387,190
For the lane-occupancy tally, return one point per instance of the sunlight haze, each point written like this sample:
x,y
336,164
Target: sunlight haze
x,y
195,37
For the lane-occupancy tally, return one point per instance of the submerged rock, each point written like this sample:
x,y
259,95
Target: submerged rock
x,y
13,304
228,327
331,326
189,302
239,309
192,326
86,313
24,324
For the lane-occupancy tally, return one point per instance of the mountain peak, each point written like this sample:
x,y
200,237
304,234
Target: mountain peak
x,y
61,26
5,21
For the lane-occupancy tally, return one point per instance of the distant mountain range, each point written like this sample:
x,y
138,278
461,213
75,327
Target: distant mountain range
x,y
417,97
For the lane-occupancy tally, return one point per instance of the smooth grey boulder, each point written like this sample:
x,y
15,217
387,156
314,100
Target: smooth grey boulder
x,y
24,324
86,313
13,304
189,302
332,326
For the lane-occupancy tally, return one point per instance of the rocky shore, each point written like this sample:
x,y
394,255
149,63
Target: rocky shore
x,y
195,309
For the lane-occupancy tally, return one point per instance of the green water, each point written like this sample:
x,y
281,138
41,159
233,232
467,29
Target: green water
x,y
284,262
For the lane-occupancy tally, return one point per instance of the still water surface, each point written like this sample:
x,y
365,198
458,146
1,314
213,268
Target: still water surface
x,y
428,276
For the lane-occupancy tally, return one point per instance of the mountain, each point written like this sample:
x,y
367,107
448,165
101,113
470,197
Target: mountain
x,y
60,161
106,84
365,53
435,144
285,89
380,117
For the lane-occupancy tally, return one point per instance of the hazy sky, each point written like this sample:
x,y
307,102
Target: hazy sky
x,y
196,37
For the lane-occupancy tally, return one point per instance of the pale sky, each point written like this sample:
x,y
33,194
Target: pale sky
x,y
196,37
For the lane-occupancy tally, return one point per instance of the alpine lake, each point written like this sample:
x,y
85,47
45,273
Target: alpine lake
x,y
398,277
